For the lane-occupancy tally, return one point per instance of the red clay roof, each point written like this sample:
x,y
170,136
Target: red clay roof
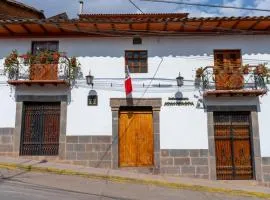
x,y
135,24
134,15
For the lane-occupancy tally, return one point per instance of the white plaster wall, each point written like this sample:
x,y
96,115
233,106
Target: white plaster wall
x,y
180,127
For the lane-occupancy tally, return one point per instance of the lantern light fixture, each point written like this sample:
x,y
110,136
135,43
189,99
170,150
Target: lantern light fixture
x,y
90,79
180,80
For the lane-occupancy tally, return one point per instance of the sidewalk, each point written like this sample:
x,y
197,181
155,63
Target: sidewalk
x,y
233,187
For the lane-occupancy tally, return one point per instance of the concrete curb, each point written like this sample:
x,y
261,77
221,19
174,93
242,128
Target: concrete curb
x,y
119,179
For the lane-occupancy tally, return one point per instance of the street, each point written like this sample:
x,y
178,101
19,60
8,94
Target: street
x,y
22,185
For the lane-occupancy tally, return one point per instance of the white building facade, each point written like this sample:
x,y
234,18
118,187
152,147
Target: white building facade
x,y
181,121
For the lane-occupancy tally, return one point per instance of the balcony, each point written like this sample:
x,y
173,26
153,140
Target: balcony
x,y
249,80
45,68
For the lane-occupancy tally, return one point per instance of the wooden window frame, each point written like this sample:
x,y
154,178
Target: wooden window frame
x,y
219,51
47,42
140,66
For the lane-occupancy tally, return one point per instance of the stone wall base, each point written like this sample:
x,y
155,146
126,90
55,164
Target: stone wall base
x,y
96,151
92,151
7,142
186,162
266,171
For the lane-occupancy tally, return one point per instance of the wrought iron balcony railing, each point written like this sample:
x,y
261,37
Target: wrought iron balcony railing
x,y
57,69
235,81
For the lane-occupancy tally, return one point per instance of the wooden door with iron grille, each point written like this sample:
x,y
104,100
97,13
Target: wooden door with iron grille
x,y
136,143
233,146
40,129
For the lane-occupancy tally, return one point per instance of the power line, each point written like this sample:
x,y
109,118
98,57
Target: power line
x,y
208,5
136,6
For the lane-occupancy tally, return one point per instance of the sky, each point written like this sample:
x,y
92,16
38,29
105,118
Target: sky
x,y
53,7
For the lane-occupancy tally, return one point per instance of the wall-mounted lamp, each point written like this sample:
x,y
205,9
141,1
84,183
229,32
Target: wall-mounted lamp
x,y
180,80
89,79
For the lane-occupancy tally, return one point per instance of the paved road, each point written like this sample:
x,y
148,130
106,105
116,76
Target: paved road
x,y
20,185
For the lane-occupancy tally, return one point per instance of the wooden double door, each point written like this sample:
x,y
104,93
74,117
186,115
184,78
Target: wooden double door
x,y
136,142
233,146
40,128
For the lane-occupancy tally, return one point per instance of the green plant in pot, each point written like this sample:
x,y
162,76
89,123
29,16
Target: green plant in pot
x,y
245,69
11,65
262,70
198,77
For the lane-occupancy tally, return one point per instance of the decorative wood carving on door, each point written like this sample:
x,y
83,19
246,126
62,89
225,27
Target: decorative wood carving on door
x,y
233,146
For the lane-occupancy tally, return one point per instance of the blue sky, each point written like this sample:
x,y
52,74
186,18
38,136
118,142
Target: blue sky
x,y
53,7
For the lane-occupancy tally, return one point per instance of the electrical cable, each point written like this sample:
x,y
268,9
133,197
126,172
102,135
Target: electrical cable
x,y
136,6
207,5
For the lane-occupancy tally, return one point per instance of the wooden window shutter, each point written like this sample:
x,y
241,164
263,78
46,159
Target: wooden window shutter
x,y
227,64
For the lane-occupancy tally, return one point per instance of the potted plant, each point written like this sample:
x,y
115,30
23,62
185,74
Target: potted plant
x,y
261,70
199,72
245,69
198,77
11,65
235,81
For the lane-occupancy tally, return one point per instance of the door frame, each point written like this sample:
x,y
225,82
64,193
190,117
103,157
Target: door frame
x,y
154,104
20,99
254,138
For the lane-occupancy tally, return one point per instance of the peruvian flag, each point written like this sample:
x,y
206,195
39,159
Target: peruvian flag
x,y
128,83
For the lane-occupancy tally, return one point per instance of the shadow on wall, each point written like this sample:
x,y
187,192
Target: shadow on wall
x,y
158,46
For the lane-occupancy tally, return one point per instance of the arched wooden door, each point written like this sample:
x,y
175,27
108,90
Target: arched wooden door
x,y
136,143
233,146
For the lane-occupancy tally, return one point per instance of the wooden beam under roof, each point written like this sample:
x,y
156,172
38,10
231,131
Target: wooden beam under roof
x,y
43,28
113,26
200,26
236,24
26,28
253,25
96,27
182,26
148,25
59,27
268,28
7,29
77,27
130,26
165,25
216,28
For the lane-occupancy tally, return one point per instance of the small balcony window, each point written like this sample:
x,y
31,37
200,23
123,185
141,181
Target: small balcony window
x,y
136,61
39,46
227,58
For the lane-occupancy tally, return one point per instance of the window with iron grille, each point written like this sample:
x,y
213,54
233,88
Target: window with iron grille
x,y
136,61
38,46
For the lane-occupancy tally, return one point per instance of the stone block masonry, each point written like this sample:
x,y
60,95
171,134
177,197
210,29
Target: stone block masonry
x,y
6,141
189,163
266,170
92,151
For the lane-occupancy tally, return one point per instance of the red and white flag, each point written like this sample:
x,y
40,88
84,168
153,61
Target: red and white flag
x,y
128,83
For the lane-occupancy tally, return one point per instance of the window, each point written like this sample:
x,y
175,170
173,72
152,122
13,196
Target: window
x,y
38,46
227,58
136,61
